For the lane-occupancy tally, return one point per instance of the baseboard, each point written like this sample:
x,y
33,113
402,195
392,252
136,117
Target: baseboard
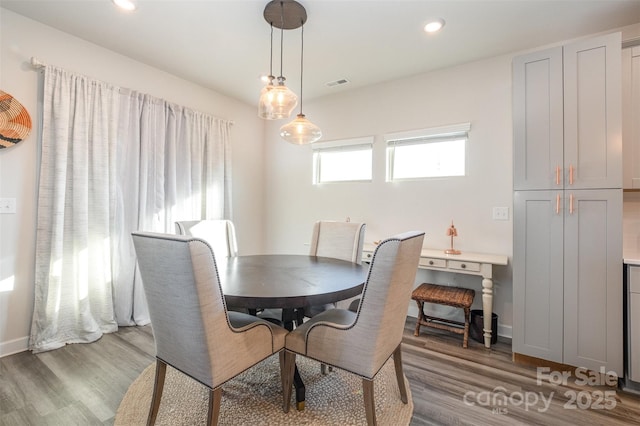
x,y
14,346
505,331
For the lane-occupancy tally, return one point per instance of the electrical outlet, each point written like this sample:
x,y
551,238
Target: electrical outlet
x,y
7,205
501,213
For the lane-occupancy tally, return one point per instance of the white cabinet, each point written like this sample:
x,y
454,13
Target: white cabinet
x,y
538,274
566,113
631,117
567,260
567,275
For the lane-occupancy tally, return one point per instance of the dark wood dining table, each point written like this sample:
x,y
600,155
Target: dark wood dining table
x,y
289,282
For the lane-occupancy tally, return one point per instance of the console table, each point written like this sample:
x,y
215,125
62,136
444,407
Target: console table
x,y
480,264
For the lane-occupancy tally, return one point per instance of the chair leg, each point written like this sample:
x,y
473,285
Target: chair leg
x,y
215,396
369,401
158,386
282,368
397,362
289,370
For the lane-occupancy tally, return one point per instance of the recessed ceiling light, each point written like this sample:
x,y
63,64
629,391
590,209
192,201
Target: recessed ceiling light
x,y
434,26
125,4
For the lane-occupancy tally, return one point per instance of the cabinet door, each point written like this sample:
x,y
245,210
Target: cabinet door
x,y
631,117
537,120
592,113
538,274
633,323
593,279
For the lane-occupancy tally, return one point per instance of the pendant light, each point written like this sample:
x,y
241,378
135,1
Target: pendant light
x,y
301,131
265,109
279,101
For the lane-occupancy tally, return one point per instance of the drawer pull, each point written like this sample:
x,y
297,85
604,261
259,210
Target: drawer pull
x,y
463,266
431,262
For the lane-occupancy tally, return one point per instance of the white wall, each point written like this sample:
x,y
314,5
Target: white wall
x,y
22,38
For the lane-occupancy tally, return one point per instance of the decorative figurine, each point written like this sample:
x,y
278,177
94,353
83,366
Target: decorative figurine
x,y
452,232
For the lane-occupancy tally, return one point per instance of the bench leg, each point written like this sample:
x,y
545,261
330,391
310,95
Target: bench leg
x,y
467,319
420,318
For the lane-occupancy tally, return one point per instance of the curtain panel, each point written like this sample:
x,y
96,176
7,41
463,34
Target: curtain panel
x,y
113,161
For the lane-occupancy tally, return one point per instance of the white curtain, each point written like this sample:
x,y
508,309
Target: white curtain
x,y
113,161
173,164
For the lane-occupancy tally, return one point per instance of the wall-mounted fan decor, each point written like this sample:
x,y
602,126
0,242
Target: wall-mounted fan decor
x,y
15,122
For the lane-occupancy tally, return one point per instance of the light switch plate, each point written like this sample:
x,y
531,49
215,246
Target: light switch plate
x,y
7,205
501,213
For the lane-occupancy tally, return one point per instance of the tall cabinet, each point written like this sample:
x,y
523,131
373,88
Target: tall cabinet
x,y
630,123
567,259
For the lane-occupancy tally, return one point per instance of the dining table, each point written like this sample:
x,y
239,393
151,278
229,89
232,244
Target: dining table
x,y
289,282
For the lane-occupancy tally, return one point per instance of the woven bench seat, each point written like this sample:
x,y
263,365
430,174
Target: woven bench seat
x,y
444,295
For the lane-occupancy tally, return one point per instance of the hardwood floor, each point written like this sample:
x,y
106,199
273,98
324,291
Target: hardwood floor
x,y
83,384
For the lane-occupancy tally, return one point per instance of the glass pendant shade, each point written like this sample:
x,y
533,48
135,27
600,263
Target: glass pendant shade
x,y
300,131
276,101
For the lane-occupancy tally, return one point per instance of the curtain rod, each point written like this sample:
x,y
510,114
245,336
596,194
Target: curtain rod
x,y
37,63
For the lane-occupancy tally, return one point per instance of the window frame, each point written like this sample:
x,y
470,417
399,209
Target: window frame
x,y
343,145
453,132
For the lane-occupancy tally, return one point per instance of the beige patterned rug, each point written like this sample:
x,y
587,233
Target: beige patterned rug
x,y
255,397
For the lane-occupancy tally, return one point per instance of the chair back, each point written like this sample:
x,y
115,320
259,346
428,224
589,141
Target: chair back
x,y
220,234
185,302
385,300
339,240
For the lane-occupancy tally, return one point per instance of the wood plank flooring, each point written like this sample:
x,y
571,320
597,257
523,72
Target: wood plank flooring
x,y
83,384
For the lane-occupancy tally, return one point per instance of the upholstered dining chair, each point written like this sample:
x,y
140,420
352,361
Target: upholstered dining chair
x,y
335,239
339,240
193,331
220,234
361,342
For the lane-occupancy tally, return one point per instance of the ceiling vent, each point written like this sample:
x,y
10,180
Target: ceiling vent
x,y
340,82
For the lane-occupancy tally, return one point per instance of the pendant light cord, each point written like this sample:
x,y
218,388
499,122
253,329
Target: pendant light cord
x,y
281,36
271,56
301,61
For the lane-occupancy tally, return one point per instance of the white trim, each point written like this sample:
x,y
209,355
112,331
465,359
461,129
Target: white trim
x,y
14,346
452,129
368,140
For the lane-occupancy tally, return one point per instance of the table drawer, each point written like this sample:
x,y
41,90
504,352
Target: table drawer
x,y
464,266
433,263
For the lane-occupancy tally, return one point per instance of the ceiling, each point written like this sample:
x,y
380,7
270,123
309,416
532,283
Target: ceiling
x,y
224,44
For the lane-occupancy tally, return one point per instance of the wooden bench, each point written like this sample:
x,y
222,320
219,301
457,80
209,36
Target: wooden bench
x,y
444,295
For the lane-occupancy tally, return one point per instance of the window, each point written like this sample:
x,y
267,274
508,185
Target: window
x,y
343,161
436,152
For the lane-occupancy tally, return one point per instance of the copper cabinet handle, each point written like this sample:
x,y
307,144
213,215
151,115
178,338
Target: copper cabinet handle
x,y
557,203
571,170
571,204
557,175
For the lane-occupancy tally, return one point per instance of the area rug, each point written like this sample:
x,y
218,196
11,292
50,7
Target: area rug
x,y
255,397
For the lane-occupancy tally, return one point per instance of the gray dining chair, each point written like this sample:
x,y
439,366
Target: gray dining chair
x,y
339,240
193,331
335,239
361,342
220,234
